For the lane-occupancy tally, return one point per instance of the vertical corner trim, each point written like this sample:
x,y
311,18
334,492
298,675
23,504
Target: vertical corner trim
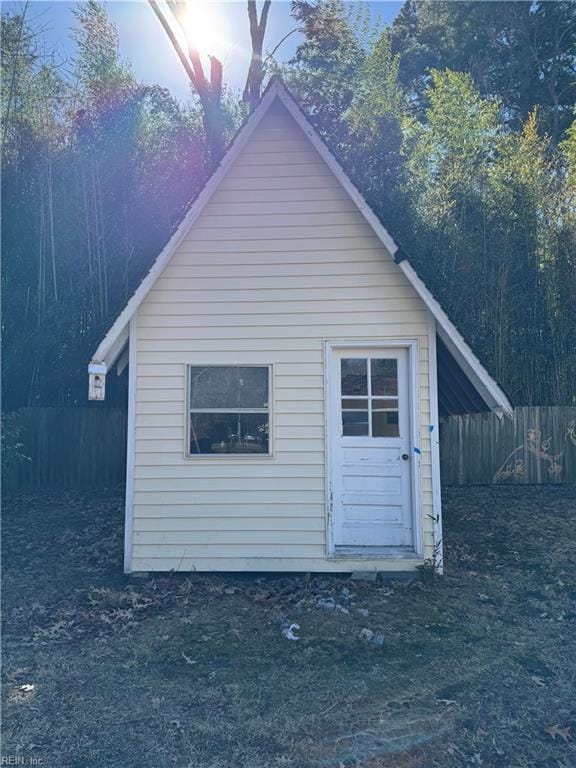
x,y
130,444
435,446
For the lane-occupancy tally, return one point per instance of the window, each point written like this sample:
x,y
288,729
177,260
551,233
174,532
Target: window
x,y
229,409
369,390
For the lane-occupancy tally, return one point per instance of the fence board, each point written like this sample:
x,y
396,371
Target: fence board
x,y
83,448
537,445
69,449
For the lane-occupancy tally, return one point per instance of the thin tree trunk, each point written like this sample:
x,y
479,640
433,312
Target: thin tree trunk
x,y
255,75
88,235
51,221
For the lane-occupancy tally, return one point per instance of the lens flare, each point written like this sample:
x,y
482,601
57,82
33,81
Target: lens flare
x,y
202,29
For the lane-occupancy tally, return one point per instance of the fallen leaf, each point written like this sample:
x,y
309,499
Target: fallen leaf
x,y
555,730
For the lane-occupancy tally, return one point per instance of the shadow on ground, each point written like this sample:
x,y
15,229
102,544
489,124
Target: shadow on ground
x,y
475,669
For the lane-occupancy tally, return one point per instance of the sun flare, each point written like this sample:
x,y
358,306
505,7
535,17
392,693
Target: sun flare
x,y
202,30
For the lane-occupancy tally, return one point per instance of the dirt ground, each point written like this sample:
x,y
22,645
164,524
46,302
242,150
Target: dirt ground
x,y
477,668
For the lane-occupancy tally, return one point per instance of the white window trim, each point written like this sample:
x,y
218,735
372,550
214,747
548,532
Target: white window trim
x,y
188,410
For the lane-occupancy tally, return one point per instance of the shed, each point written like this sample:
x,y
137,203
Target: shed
x,y
284,363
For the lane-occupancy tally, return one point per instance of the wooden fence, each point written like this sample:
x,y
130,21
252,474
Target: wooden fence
x,y
68,448
537,445
82,448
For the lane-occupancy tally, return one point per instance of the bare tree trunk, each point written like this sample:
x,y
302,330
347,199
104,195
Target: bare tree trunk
x,y
102,239
88,236
41,265
51,221
253,87
209,91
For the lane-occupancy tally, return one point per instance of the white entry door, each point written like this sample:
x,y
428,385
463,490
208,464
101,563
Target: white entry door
x,y
369,407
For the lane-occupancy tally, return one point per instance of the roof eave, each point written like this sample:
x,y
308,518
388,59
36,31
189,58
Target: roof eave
x,y
108,350
486,386
112,344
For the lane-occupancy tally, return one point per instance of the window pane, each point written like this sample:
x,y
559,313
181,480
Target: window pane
x,y
228,433
384,375
354,423
384,405
354,375
385,424
355,405
219,386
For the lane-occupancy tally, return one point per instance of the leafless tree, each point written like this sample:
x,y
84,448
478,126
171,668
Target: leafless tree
x,y
208,86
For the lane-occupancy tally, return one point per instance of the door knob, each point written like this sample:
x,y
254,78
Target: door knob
x,y
405,456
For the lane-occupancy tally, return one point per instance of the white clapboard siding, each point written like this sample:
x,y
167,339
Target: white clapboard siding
x,y
198,472
176,552
253,247
195,485
172,459
158,444
400,299
278,326
250,235
218,495
342,270
284,260
253,284
284,171
279,261
178,512
288,195
229,537
231,524
232,211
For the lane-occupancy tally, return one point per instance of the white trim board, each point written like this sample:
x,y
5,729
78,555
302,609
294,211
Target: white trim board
x,y
130,452
111,345
434,427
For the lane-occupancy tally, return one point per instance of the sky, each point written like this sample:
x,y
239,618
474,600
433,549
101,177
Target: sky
x,y
222,25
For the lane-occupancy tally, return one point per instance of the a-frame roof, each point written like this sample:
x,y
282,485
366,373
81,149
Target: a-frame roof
x,y
115,340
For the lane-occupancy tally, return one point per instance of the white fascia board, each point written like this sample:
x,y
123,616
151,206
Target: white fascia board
x,y
121,324
113,351
458,348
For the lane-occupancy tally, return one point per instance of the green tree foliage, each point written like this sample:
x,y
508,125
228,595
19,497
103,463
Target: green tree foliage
x,y
326,65
345,76
568,147
484,211
448,123
490,227
523,53
97,170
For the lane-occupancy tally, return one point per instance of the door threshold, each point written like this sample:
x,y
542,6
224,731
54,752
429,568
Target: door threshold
x,y
369,553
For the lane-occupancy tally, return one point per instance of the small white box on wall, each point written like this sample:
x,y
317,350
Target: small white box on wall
x,y
96,381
